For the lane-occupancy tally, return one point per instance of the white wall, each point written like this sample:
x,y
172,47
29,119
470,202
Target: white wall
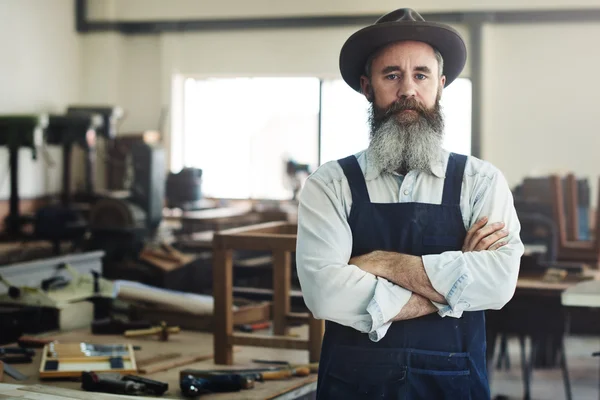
x,y
540,106
39,72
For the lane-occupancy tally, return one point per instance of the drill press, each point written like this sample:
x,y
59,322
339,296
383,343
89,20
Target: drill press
x,y
17,131
68,130
110,116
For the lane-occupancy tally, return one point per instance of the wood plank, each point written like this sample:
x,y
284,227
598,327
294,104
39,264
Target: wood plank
x,y
298,318
256,241
316,330
252,314
256,228
282,284
223,303
278,342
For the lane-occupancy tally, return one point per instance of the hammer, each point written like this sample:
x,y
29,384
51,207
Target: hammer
x,y
162,331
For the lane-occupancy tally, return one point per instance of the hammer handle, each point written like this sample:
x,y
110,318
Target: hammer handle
x,y
284,374
150,331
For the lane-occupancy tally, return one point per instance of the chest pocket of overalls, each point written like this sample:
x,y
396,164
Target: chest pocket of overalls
x,y
440,237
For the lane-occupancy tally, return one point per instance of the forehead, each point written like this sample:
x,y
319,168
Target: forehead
x,y
406,51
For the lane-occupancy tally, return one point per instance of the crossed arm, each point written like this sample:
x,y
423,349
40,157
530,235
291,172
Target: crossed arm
x,y
409,272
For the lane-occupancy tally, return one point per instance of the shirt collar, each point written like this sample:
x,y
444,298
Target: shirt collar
x,y
438,166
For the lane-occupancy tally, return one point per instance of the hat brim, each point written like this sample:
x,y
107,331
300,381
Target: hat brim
x,y
362,44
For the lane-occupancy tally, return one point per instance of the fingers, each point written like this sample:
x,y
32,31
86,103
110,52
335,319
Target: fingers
x,y
486,242
471,232
484,233
480,237
496,246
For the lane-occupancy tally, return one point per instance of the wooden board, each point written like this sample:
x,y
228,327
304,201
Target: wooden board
x,y
190,343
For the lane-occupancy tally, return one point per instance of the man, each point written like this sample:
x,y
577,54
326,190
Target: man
x,y
401,247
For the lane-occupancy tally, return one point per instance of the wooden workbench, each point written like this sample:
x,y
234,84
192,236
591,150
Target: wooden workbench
x,y
188,343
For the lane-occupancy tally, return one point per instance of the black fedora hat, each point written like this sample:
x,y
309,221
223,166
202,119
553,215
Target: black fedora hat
x,y
398,25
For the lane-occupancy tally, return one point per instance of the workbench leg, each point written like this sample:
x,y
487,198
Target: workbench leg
x,y
316,330
282,286
223,305
565,371
525,367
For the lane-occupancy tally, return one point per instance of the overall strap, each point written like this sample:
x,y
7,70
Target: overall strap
x,y
454,177
356,179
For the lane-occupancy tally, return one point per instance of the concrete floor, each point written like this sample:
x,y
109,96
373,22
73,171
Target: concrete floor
x,y
548,384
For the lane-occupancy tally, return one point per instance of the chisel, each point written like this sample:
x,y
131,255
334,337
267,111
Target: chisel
x,y
12,372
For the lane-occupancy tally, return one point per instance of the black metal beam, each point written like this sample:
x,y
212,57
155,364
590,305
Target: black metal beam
x,y
476,76
183,25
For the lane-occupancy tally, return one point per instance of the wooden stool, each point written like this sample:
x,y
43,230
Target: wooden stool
x,y
280,238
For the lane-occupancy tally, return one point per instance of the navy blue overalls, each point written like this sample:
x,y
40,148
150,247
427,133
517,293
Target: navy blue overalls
x,y
423,358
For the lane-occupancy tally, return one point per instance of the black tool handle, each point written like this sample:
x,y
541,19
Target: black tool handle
x,y
152,387
192,387
91,382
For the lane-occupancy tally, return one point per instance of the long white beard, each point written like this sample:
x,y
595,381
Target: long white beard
x,y
406,147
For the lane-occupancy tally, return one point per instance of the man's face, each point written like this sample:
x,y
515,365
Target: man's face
x,y
404,72
405,116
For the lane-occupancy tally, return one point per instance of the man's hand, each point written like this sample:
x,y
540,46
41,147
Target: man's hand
x,y
481,237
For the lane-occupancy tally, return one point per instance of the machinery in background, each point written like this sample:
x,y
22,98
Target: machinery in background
x,y
296,175
120,225
184,189
108,117
67,131
16,132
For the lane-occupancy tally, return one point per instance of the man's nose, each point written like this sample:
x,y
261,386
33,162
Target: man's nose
x,y
407,89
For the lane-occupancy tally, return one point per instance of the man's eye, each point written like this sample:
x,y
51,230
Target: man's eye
x,y
391,76
420,77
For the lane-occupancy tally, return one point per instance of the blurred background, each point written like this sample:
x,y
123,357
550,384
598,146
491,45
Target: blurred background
x,y
130,125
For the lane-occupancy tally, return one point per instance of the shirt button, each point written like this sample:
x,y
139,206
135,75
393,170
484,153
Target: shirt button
x,y
406,192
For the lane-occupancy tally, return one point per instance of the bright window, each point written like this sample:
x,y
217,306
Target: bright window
x,y
241,132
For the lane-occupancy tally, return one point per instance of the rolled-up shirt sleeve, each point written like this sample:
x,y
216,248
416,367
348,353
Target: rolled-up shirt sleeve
x,y
333,289
480,280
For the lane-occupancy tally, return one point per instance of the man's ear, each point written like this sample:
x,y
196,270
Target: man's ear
x,y
366,88
443,81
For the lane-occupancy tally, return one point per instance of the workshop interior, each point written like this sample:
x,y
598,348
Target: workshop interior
x,y
152,160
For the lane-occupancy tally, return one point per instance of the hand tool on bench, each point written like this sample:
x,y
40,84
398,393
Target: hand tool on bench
x,y
128,384
152,387
113,326
192,387
162,331
12,372
16,355
33,342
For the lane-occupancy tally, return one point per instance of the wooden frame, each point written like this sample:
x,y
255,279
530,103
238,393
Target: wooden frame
x,y
70,361
280,238
587,251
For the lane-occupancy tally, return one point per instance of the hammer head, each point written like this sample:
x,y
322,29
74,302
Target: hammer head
x,y
163,335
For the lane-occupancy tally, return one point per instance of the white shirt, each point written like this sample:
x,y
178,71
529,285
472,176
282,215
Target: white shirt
x,y
337,291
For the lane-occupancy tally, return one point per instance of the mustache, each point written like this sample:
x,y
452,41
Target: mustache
x,y
405,104
428,116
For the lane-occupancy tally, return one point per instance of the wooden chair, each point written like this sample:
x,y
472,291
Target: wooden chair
x,y
280,239
568,249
